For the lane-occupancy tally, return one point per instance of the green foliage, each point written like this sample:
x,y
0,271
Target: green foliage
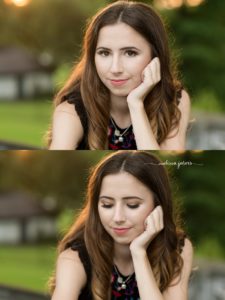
x,y
58,174
61,75
200,36
210,248
206,101
201,187
52,26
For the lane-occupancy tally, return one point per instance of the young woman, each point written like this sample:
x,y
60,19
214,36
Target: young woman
x,y
123,93
126,243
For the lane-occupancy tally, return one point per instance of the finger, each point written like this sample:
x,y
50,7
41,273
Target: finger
x,y
147,75
161,223
158,69
153,69
150,224
156,218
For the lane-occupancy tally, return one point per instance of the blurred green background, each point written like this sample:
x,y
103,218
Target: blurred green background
x,y
197,180
54,28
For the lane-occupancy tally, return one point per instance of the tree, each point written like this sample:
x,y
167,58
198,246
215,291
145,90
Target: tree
x,y
200,40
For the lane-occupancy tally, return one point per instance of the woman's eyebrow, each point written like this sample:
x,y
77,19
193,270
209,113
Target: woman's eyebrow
x,y
106,197
132,197
124,48
124,198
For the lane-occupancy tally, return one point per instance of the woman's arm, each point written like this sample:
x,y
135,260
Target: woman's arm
x,y
67,130
178,289
146,282
176,139
144,275
144,136
70,276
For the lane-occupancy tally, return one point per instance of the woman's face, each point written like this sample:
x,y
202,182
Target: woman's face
x,y
120,58
124,204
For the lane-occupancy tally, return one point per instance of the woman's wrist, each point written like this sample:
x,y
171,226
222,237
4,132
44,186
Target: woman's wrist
x,y
135,104
137,252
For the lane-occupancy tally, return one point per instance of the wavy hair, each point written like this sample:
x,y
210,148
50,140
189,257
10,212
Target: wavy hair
x,y
163,252
160,104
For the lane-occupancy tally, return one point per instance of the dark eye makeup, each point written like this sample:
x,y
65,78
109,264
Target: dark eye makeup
x,y
132,206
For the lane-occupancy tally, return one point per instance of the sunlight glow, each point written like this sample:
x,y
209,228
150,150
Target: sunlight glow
x,y
19,3
194,2
171,4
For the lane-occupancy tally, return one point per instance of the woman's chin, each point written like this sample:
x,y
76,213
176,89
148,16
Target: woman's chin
x,y
121,94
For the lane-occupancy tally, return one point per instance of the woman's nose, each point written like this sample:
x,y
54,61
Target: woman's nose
x,y
116,65
119,215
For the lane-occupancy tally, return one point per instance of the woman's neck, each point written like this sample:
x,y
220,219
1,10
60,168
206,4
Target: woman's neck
x,y
123,259
119,111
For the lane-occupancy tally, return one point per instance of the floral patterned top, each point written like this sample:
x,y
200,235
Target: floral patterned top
x,y
129,292
120,138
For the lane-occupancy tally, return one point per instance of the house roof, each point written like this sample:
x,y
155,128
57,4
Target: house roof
x,y
17,204
15,60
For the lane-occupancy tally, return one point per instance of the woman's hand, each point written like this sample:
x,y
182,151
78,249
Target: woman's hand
x,y
150,77
153,225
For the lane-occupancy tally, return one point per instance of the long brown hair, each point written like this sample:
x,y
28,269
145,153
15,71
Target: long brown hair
x,y
160,103
163,252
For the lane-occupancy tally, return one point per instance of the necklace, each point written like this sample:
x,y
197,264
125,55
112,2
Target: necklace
x,y
120,281
117,133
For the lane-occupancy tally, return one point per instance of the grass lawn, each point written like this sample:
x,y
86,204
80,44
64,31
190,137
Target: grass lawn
x,y
25,121
26,266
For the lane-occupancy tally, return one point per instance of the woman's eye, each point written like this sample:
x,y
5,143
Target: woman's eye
x,y
133,206
103,53
106,205
131,53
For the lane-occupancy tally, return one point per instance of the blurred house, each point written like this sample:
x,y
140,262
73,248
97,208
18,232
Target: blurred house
x,y
23,75
24,219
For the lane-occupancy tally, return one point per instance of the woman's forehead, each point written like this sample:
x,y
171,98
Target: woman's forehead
x,y
120,34
123,184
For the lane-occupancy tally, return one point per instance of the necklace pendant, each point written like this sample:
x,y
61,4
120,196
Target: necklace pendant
x,y
117,133
123,286
120,280
121,139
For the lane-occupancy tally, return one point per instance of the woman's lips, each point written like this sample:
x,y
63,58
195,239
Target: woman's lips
x,y
118,82
120,231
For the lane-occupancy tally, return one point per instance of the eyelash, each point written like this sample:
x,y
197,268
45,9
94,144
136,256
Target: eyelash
x,y
132,53
129,53
129,205
103,53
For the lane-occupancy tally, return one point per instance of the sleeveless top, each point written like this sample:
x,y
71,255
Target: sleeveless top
x,y
114,131
129,293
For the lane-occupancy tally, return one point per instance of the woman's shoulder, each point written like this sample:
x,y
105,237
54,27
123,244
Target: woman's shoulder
x,y
70,258
185,109
69,266
69,254
66,107
187,252
67,130
187,256
184,100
